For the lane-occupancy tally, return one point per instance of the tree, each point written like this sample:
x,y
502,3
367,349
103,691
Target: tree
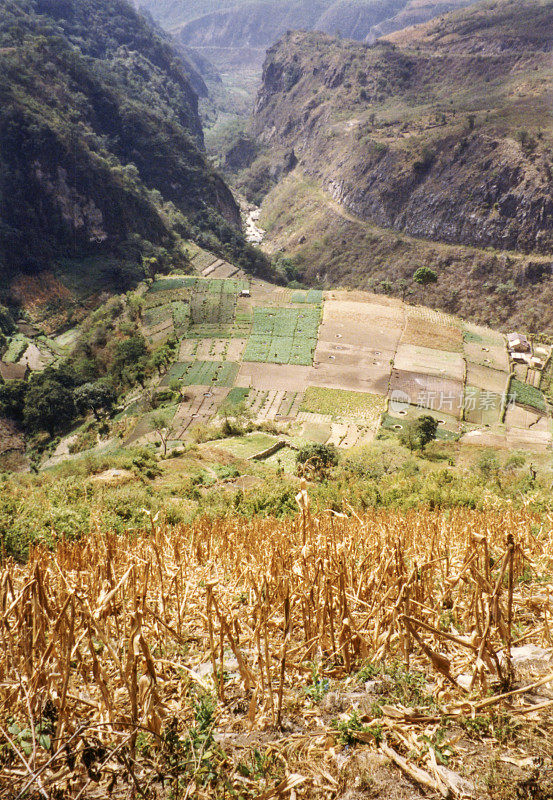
x,y
48,406
95,397
419,432
135,305
12,399
317,457
403,287
129,359
235,418
162,358
161,425
177,387
7,325
424,276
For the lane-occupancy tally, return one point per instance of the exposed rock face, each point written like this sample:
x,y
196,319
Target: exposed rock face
x,y
436,133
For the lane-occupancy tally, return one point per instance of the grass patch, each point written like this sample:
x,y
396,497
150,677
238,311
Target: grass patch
x,y
247,446
397,426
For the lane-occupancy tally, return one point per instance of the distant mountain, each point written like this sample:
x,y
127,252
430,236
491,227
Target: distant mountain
x,y
442,132
101,146
234,33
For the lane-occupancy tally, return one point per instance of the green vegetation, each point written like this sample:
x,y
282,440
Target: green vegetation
x,y
67,500
283,335
527,395
341,403
419,432
204,373
317,457
236,396
314,296
425,276
91,91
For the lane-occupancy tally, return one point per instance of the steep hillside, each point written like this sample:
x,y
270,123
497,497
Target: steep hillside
x,y
443,133
101,147
233,33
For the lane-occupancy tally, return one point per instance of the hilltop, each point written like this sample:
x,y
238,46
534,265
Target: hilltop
x,y
430,148
234,33
101,151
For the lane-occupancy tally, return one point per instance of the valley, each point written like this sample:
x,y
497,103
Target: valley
x,y
276,400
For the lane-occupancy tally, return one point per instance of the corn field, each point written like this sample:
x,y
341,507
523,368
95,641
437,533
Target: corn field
x,y
110,646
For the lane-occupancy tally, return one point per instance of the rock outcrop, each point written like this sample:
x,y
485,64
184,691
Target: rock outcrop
x,y
440,132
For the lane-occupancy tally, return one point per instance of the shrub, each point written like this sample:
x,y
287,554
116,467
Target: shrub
x,y
317,457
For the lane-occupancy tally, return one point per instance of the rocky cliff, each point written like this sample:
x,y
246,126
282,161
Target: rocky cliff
x,y
442,132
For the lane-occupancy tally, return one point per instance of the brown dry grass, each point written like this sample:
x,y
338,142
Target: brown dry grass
x,y
109,640
423,333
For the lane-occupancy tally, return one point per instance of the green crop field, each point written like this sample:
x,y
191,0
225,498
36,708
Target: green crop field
x,y
212,308
242,324
168,284
181,315
237,395
17,346
203,259
312,296
527,395
204,373
212,330
225,285
157,314
283,335
342,403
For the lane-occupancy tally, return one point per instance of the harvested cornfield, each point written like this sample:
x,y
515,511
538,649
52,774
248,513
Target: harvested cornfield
x,y
235,659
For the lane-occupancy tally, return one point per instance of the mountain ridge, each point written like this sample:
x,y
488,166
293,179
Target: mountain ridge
x,y
220,30
102,145
440,133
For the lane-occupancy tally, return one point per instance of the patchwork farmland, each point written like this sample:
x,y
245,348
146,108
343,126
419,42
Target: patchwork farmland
x,y
333,367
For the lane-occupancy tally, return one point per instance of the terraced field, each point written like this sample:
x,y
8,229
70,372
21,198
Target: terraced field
x,y
204,373
339,366
341,403
283,335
